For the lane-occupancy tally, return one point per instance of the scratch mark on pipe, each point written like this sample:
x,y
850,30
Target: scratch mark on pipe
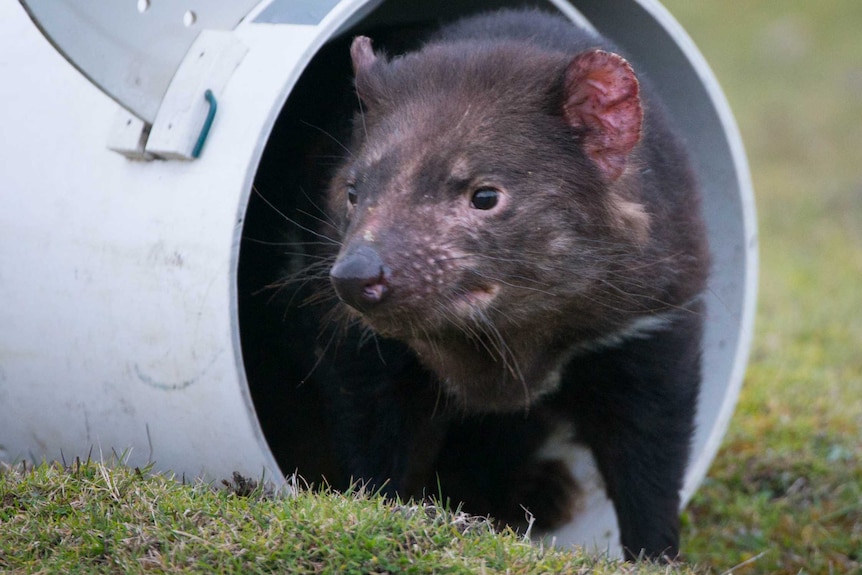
x,y
180,385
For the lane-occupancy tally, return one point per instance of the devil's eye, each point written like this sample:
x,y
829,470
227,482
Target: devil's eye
x,y
352,195
485,198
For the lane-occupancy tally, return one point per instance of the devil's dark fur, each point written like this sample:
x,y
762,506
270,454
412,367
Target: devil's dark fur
x,y
474,334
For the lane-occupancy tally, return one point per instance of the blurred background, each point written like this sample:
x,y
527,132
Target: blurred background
x,y
785,493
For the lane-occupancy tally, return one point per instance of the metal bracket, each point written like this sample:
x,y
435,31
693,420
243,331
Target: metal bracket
x,y
186,112
128,136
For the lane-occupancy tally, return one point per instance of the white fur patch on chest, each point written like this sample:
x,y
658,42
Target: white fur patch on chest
x,y
639,328
594,526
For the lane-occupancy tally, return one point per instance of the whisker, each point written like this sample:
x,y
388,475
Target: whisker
x,y
322,355
320,220
294,222
328,135
510,284
362,115
325,217
283,244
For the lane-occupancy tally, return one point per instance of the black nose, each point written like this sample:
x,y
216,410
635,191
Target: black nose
x,y
359,277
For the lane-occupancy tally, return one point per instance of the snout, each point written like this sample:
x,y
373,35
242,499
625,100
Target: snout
x,y
360,278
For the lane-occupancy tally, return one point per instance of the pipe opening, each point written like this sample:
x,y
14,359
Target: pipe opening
x,y
281,273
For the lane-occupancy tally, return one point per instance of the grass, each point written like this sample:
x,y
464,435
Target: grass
x,y
785,492
96,518
786,488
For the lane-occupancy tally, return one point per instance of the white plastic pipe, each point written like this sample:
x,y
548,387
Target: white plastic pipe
x,y
118,304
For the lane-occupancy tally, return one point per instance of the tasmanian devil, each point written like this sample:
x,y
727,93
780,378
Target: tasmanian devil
x,y
522,251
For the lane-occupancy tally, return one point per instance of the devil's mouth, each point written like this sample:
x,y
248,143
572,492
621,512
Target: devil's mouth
x,y
461,304
475,298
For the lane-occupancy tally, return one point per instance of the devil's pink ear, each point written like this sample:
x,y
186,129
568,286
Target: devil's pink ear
x,y
363,57
362,54
602,98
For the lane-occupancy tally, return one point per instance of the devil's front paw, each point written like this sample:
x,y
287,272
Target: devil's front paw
x,y
546,491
